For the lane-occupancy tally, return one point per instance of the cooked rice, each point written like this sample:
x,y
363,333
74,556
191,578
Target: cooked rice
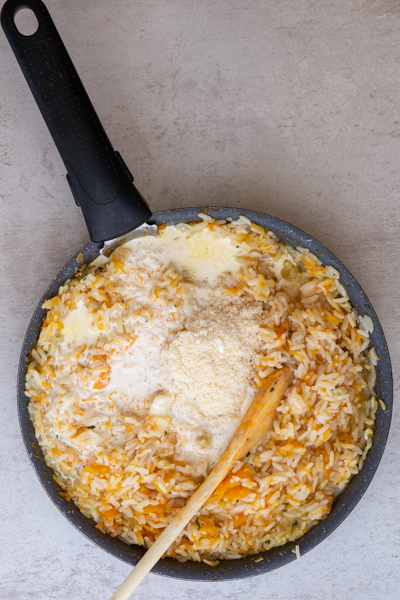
x,y
125,472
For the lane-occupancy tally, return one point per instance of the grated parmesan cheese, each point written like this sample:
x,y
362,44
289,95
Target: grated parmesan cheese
x,y
211,363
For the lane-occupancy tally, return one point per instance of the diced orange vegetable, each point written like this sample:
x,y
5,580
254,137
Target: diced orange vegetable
x,y
99,358
240,520
78,432
237,493
332,319
157,509
207,526
280,331
186,542
244,472
96,469
147,533
221,489
111,513
103,380
233,290
226,484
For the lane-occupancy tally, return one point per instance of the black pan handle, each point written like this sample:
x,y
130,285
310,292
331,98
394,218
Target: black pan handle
x,y
99,179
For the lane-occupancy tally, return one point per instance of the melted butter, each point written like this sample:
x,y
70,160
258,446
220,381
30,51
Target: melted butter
x,y
206,256
79,328
200,256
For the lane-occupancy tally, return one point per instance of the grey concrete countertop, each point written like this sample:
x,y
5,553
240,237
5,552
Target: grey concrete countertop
x,y
289,107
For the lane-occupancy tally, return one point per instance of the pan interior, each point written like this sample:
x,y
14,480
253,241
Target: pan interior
x,y
342,506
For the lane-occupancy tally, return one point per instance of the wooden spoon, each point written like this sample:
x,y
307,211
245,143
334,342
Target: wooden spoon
x,y
253,427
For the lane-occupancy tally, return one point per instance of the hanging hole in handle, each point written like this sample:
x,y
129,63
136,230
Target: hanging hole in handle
x,y
26,22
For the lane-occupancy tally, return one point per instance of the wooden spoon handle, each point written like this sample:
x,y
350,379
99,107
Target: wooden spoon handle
x,y
253,427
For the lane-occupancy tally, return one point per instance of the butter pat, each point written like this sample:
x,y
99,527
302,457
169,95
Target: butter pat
x,y
160,405
79,327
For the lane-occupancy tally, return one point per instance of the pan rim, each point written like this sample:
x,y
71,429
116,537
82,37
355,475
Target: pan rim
x,y
343,504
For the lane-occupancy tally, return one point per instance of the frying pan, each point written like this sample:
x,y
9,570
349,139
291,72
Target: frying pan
x,y
112,207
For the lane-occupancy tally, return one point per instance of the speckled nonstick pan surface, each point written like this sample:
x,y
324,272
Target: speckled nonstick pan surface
x,y
104,223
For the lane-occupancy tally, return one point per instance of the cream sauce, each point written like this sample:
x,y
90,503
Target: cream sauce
x,y
140,380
